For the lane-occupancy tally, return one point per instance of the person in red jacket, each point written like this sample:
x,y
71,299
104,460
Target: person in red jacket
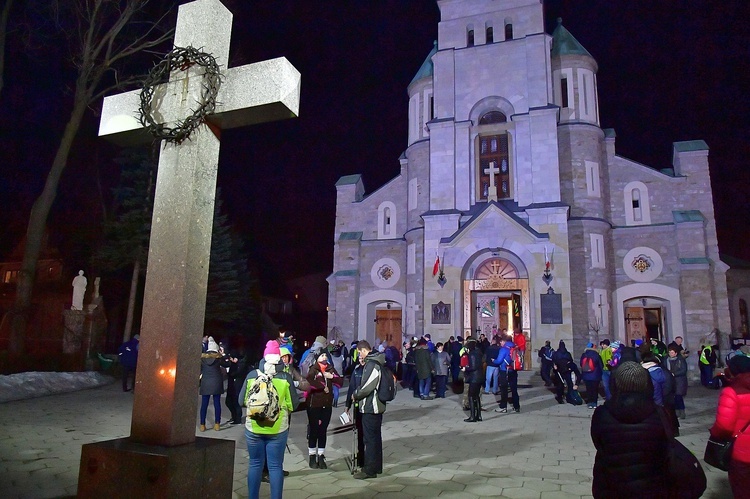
x,y
732,415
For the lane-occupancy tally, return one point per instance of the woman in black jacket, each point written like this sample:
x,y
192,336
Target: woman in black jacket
x,y
474,376
630,439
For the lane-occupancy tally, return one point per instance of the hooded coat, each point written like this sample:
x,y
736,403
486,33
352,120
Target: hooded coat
x,y
733,414
631,448
367,393
212,377
596,374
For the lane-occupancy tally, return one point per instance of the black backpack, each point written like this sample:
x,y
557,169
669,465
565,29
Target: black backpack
x,y
386,385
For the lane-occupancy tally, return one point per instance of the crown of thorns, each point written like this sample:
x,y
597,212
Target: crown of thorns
x,y
180,58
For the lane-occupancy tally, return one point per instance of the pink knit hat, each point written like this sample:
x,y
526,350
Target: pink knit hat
x,y
272,347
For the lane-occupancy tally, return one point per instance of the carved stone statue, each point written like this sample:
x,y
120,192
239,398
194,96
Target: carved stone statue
x,y
79,289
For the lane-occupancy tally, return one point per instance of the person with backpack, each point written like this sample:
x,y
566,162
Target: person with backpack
x,y
591,373
270,399
565,374
322,377
371,408
508,363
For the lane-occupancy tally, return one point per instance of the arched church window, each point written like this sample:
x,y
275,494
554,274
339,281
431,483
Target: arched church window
x,y
470,38
492,117
494,167
496,268
635,195
508,30
386,220
744,326
490,35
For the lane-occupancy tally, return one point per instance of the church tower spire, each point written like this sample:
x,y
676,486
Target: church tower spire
x,y
574,76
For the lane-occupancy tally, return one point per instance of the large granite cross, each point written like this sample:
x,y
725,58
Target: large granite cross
x,y
166,389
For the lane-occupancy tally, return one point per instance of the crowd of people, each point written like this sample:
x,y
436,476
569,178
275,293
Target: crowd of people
x,y
643,387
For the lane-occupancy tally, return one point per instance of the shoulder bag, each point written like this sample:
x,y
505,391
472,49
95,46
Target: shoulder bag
x,y
719,451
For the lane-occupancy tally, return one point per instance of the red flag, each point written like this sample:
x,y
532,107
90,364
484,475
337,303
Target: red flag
x,y
436,267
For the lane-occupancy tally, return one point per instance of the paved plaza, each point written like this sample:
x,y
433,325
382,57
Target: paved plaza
x,y
543,452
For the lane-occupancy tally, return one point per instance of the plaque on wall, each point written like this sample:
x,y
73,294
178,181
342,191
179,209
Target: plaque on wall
x,y
441,313
551,307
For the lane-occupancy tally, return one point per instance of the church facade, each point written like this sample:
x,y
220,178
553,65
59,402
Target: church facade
x,y
512,207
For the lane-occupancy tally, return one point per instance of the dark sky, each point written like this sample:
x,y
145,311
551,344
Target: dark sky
x,y
666,73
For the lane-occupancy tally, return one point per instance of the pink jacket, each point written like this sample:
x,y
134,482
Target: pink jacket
x,y
733,414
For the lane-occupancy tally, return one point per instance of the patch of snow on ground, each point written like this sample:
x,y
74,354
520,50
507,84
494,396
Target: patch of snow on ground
x,y
38,384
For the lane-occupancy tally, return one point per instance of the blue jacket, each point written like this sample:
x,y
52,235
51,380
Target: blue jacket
x,y
128,353
503,358
658,380
596,374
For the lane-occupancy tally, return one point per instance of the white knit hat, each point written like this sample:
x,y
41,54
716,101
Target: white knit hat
x,y
212,346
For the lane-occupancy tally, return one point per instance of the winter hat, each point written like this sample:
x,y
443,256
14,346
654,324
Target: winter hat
x,y
739,364
589,345
561,345
631,377
212,346
272,348
285,350
321,340
614,345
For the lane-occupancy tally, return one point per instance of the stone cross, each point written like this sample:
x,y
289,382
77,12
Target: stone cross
x,y
166,388
492,170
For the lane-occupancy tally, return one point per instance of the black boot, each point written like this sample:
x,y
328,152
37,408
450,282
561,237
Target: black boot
x,y
322,462
472,417
314,461
477,409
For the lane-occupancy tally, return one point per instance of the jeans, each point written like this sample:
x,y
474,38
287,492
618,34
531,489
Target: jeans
x,y
491,379
509,378
440,382
605,383
262,448
217,408
424,386
371,426
707,374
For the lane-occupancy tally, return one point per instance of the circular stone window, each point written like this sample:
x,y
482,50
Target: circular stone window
x,y
385,273
642,264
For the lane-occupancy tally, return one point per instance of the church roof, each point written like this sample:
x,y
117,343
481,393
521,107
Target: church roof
x,y
564,43
426,69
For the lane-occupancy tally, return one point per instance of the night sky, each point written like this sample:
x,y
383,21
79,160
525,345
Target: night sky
x,y
666,73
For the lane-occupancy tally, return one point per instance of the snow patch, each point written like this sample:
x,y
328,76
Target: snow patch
x,y
23,386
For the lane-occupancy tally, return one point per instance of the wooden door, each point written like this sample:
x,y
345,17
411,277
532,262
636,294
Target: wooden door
x,y
635,324
388,326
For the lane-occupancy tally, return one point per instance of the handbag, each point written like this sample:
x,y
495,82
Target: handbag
x,y
719,452
684,472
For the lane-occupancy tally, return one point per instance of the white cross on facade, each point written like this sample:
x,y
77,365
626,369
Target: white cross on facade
x,y
492,170
175,296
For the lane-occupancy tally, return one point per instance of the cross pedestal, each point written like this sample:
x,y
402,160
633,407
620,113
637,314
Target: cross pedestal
x,y
162,457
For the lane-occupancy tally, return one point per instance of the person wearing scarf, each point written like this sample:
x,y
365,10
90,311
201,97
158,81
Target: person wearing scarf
x,y
322,378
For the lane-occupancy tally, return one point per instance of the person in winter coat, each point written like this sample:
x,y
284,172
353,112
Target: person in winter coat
x,y
474,376
677,365
441,361
651,364
630,439
425,369
545,360
371,408
455,352
235,377
128,358
354,382
322,377
507,377
491,375
564,372
213,364
732,415
266,443
591,373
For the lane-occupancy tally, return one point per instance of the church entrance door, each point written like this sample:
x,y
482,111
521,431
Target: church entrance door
x,y
388,326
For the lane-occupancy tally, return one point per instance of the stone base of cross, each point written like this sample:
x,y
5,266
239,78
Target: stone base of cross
x,y
162,457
